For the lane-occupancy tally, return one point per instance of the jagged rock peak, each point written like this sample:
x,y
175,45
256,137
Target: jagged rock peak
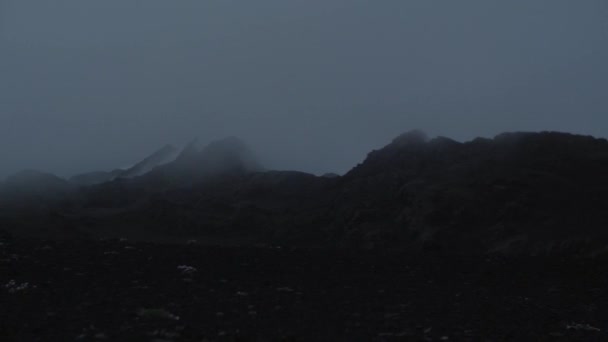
x,y
413,137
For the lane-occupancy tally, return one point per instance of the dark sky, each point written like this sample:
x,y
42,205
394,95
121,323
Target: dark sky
x,y
311,85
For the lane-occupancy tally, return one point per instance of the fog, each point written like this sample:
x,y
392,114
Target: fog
x,y
311,85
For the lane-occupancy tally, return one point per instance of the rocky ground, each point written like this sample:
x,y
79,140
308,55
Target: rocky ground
x,y
124,291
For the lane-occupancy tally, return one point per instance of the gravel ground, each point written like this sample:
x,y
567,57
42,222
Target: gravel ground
x,y
128,291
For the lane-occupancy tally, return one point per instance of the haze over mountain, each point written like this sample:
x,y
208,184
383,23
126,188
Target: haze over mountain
x,y
163,156
516,193
311,85
303,170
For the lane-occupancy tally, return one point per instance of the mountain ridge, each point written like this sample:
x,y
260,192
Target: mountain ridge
x,y
521,192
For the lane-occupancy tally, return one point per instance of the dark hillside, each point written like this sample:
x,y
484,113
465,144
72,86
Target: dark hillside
x,y
516,193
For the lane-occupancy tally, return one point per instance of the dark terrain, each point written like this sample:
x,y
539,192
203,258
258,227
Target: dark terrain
x,y
124,291
427,239
519,193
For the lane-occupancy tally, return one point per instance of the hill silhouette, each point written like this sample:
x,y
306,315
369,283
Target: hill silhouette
x,y
162,156
516,193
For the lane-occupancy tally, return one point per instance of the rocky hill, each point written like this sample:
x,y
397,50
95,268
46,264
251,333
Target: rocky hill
x,y
516,193
529,192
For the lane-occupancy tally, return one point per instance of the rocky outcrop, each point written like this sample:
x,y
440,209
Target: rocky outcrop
x,y
518,192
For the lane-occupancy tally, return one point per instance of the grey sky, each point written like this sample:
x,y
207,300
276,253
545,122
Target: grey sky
x,y
311,85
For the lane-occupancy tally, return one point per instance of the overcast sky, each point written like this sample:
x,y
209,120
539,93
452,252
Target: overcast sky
x,y
311,85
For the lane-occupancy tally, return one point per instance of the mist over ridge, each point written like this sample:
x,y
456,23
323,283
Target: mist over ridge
x,y
310,85
303,170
